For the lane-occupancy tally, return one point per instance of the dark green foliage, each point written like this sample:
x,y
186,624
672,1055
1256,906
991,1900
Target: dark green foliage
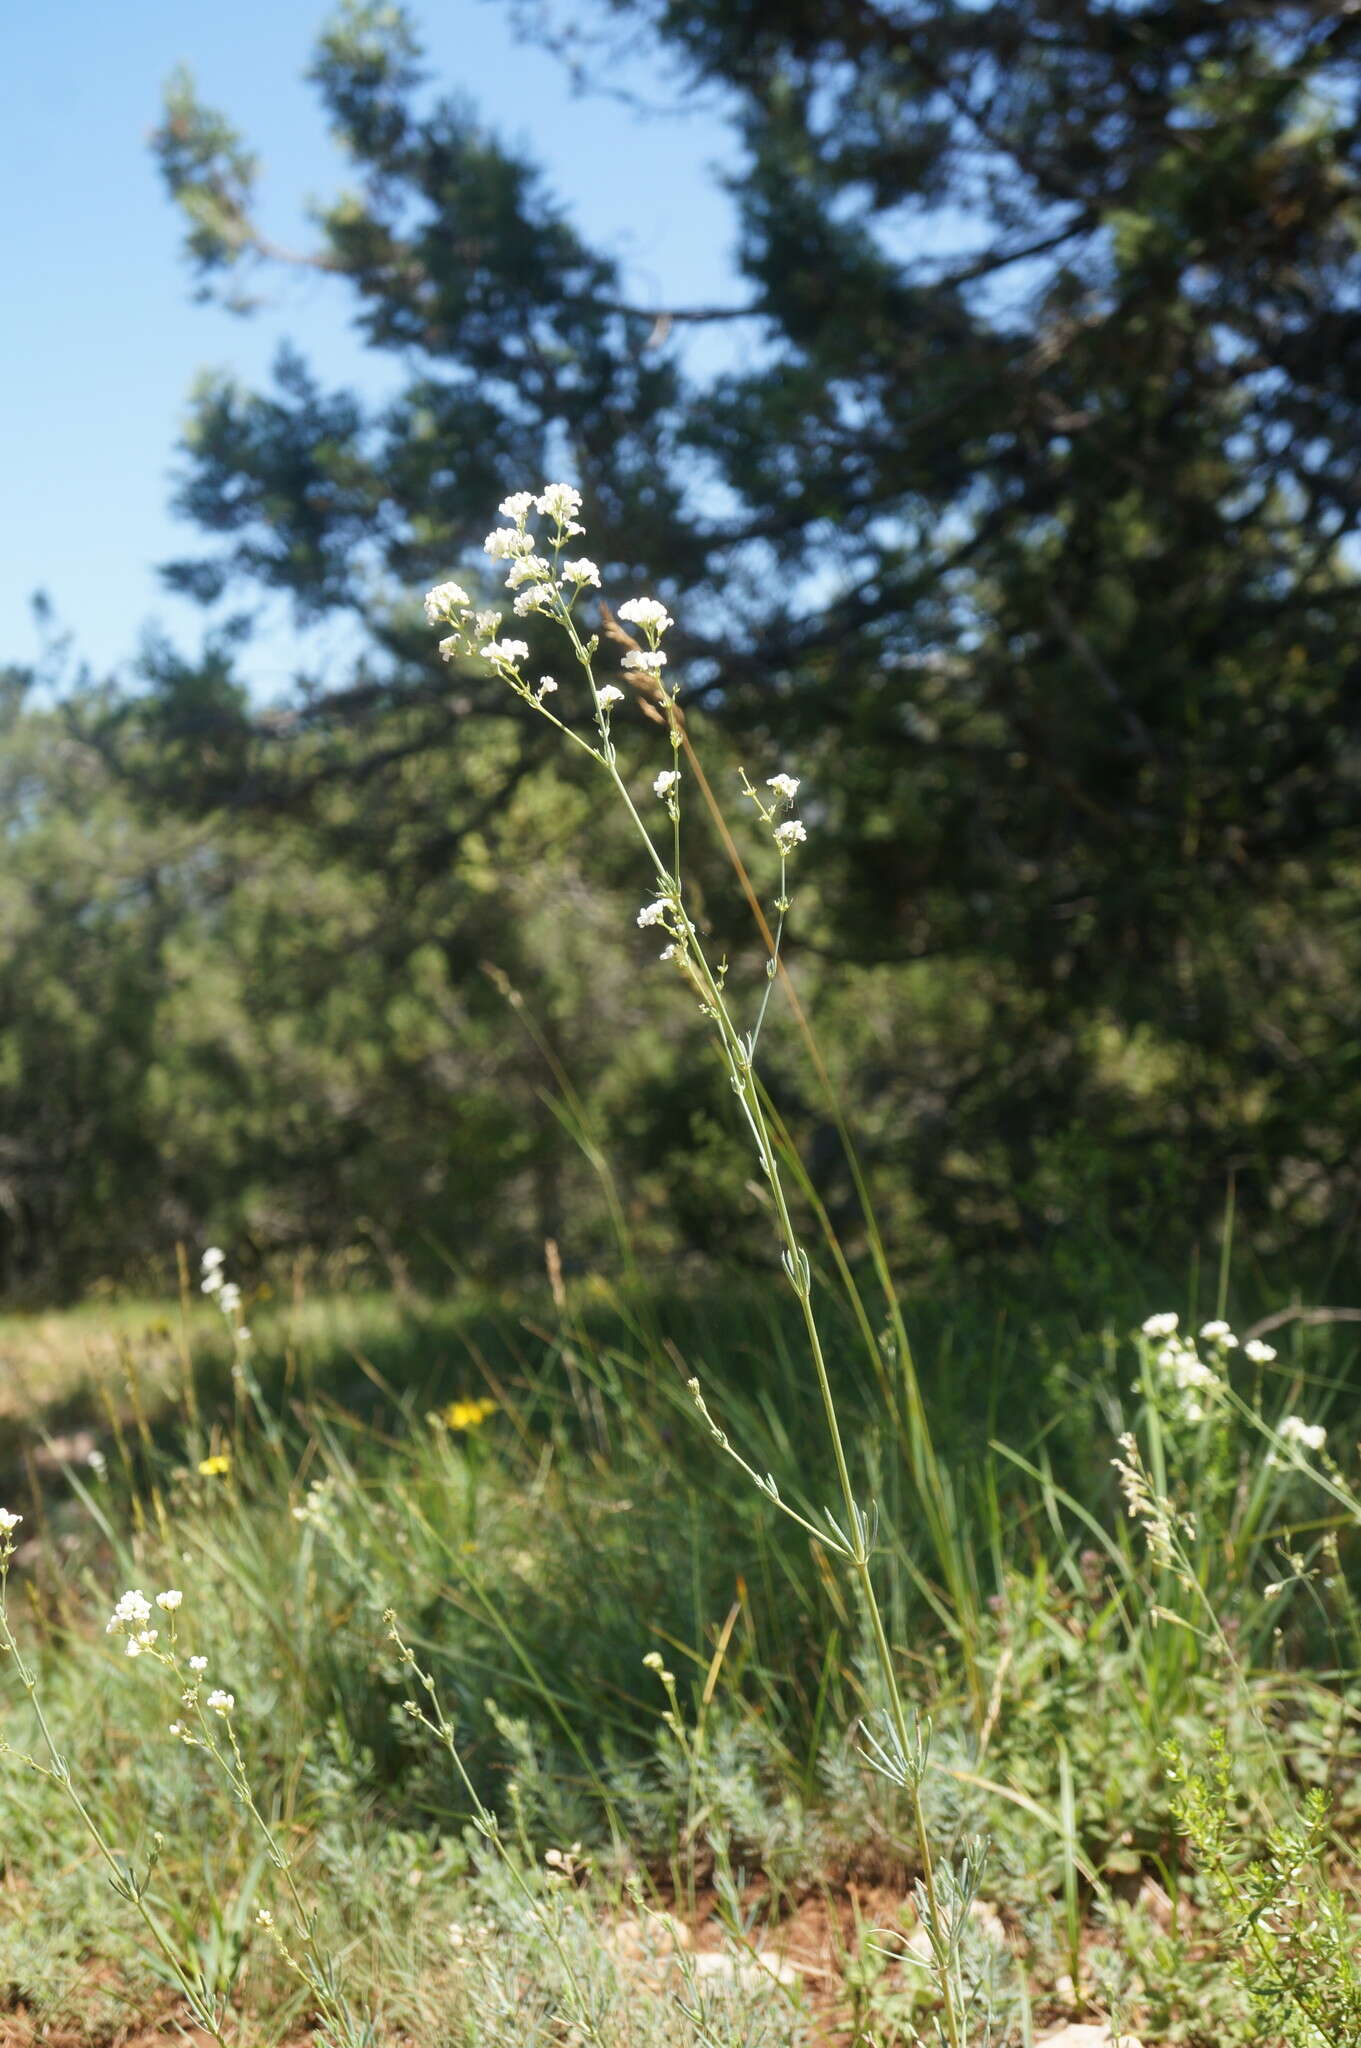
x,y
1038,477
1021,524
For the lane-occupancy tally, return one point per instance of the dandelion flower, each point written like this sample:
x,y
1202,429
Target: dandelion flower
x,y
215,1467
466,1415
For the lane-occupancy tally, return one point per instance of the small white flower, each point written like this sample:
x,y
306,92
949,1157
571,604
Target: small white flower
x,y
527,569
646,612
214,1256
97,1462
504,542
609,695
198,1663
651,664
221,1702
534,599
229,1298
517,507
583,570
133,1646
264,1918
653,913
242,1335
790,834
666,782
1310,1436
211,1281
444,600
559,502
505,653
176,1728
8,1521
653,1661
168,1602
1217,1332
133,1610
451,647
786,786
1258,1352
1160,1325
546,688
667,953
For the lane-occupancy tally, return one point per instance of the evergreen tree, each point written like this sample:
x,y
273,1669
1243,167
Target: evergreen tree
x,y
1036,549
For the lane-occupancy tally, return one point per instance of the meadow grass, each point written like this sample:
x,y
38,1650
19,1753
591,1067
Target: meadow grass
x,y
537,1558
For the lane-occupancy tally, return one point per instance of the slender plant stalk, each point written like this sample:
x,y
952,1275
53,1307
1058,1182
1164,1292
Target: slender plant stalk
x,y
58,1772
854,1540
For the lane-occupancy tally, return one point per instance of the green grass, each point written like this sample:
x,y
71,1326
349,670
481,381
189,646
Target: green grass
x,y
535,1560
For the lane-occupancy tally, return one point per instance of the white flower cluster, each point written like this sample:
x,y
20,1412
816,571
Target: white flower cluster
x,y
225,1292
132,1615
1188,1380
546,584
787,833
1310,1436
9,1522
1186,1372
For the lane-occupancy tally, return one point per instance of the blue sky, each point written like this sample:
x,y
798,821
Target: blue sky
x,y
100,340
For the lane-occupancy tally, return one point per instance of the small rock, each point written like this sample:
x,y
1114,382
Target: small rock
x,y
646,1940
986,1919
748,1972
1081,2035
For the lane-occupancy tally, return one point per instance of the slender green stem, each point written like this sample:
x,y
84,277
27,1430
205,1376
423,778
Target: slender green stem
x,y
739,1058
123,1882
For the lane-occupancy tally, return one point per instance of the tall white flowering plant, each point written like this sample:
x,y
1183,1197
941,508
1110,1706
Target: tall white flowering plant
x,y
535,550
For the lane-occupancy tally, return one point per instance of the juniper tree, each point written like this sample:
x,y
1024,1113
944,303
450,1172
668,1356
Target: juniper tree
x,y
1035,540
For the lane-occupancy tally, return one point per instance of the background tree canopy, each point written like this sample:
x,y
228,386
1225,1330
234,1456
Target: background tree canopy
x,y
1021,522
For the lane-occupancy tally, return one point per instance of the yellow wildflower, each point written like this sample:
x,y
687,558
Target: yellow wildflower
x,y
468,1414
213,1468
